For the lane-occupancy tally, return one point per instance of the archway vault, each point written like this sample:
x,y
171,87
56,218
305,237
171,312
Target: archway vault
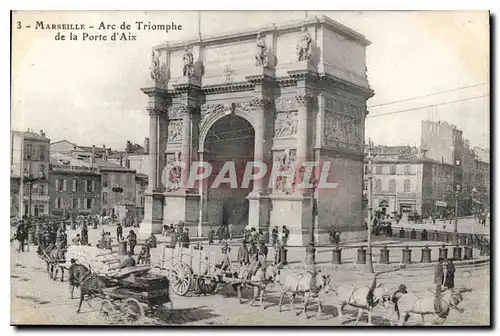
x,y
209,119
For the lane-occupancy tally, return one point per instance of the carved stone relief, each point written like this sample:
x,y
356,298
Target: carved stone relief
x,y
343,132
285,124
174,131
284,160
174,112
174,171
342,105
285,104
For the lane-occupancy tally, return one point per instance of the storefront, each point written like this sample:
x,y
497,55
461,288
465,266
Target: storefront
x,y
440,209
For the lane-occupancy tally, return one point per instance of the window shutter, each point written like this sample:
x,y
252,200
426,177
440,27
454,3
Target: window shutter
x,y
64,185
55,200
79,204
93,185
74,185
57,184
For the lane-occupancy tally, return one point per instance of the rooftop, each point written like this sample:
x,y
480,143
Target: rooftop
x,y
30,135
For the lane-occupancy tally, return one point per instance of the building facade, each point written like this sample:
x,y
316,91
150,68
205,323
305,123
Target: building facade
x,y
30,158
291,102
141,182
75,187
118,186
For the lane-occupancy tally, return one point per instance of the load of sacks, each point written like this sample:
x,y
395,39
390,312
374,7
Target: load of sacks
x,y
101,262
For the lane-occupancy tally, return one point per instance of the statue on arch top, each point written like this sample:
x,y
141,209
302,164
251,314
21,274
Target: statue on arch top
x,y
188,62
261,52
155,67
304,46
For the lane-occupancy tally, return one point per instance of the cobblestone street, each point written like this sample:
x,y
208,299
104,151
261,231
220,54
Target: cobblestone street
x,y
35,298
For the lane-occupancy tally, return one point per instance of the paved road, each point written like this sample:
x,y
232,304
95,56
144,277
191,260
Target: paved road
x,y
37,299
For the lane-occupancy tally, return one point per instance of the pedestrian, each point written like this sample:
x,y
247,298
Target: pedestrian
x,y
253,249
274,236
20,236
337,237
185,238
449,280
263,250
285,233
243,256
210,236
84,234
73,276
119,232
132,241
438,281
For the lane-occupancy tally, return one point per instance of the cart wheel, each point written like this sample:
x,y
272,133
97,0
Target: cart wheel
x,y
108,312
132,310
206,285
180,278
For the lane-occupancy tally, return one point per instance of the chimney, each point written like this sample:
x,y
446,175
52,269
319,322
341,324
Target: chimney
x,y
127,163
92,157
121,160
42,133
106,154
146,145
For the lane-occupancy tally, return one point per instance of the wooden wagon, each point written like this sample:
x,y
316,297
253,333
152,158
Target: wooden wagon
x,y
197,270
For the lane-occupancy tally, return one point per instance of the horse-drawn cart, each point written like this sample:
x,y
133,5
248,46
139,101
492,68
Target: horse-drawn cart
x,y
197,270
128,294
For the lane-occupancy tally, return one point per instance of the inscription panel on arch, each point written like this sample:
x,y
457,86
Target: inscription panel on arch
x,y
218,59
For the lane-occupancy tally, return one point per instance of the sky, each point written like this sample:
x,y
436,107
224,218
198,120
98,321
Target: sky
x,y
89,92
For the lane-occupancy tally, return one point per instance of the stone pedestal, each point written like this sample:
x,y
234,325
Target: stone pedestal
x,y
296,213
258,212
182,206
153,214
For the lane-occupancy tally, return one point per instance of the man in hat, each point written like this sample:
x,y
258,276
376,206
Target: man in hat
x,y
243,257
438,281
132,240
119,232
74,276
129,261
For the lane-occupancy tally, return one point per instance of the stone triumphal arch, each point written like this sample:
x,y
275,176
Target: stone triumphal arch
x,y
285,94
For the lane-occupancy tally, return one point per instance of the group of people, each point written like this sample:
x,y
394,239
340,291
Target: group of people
x,y
179,234
280,239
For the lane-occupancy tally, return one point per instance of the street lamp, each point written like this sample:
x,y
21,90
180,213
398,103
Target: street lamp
x,y
370,206
31,180
311,249
457,193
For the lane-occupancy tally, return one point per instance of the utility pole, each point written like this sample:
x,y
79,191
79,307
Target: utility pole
x,y
370,178
455,226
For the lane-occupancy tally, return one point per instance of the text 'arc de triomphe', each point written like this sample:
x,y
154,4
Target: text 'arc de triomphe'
x,y
284,93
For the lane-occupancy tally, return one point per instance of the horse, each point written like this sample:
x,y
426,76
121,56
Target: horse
x,y
75,273
358,297
90,285
54,258
424,305
307,283
259,281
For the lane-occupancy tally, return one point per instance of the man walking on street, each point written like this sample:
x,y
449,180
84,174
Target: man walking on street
x,y
243,257
119,232
438,281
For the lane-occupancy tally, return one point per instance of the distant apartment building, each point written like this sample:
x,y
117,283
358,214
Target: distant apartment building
x,y
29,161
134,156
141,183
75,186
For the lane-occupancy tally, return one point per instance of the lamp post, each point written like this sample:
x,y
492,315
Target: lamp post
x,y
311,249
30,180
457,193
369,261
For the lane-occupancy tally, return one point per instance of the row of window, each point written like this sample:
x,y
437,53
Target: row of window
x,y
392,185
74,203
113,180
31,154
61,185
389,169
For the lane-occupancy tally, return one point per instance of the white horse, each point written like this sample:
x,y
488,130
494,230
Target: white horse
x,y
307,283
424,305
258,281
357,297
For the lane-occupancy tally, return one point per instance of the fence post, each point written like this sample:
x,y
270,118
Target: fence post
x,y
468,253
443,252
406,255
457,252
384,255
426,255
362,255
337,256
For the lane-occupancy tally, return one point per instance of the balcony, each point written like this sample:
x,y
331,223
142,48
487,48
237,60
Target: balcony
x,y
39,198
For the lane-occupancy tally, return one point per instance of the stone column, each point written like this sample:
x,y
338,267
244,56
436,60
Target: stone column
x,y
154,122
303,103
185,146
258,185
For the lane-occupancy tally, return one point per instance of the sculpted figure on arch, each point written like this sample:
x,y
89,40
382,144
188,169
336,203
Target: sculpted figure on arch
x,y
188,62
261,58
304,46
155,68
